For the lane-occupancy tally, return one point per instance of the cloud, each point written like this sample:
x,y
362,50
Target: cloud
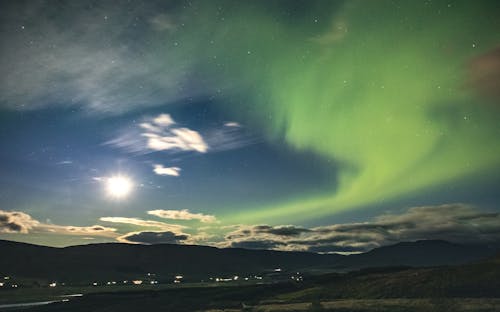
x,y
182,215
457,223
285,230
258,244
20,222
96,230
229,137
232,124
16,222
163,22
166,237
160,134
46,66
145,223
172,171
164,120
182,139
65,162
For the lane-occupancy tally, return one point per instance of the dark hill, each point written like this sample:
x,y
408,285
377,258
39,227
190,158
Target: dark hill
x,y
101,262
417,254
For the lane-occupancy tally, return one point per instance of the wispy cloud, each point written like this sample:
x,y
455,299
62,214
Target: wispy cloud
x,y
172,171
96,230
182,215
103,76
229,137
163,22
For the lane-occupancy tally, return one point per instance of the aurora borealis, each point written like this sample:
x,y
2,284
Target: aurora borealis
x,y
290,120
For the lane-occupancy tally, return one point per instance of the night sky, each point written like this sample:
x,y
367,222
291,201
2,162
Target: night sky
x,y
324,126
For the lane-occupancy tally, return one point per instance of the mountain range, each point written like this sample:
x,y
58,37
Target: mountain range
x,y
116,261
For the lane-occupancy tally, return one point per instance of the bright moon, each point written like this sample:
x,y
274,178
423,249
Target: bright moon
x,y
119,186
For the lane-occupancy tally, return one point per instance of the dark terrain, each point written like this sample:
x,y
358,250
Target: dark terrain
x,y
418,276
99,262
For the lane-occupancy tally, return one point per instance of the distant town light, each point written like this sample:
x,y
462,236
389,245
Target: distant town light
x,y
179,277
54,284
137,282
1,284
94,284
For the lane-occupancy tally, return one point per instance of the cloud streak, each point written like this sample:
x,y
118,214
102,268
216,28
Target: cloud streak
x,y
182,215
144,223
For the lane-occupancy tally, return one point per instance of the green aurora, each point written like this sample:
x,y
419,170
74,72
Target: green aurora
x,y
381,90
339,111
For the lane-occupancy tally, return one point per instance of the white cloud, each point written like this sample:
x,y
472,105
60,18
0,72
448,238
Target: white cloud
x,y
164,120
172,171
160,134
182,215
191,140
232,124
181,139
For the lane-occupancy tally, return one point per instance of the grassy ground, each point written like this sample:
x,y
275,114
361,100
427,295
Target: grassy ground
x,y
382,305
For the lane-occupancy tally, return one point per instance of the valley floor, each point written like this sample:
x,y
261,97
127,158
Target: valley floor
x,y
386,305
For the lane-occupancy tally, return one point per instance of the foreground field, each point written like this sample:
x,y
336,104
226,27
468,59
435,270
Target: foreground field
x,y
386,305
470,287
